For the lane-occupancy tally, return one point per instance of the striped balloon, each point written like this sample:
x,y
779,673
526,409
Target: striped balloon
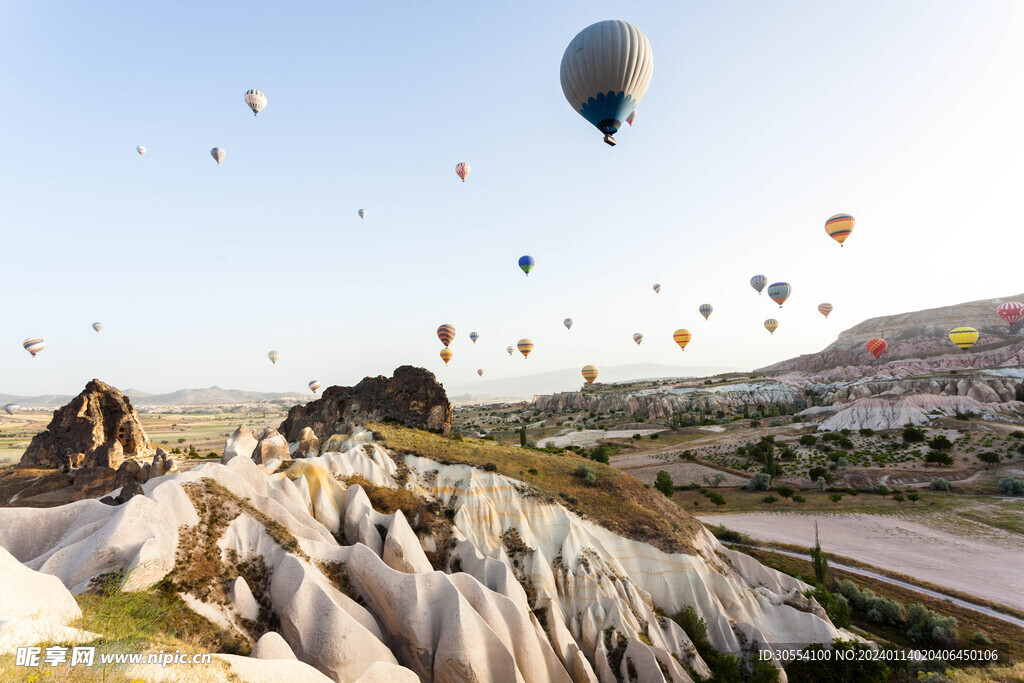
x,y
273,356
34,345
446,333
705,310
779,292
256,101
839,227
771,324
218,154
876,347
825,309
1011,312
682,337
314,385
474,336
525,346
526,263
590,373
964,337
758,282
638,338
510,349
480,372
462,170
657,288
446,355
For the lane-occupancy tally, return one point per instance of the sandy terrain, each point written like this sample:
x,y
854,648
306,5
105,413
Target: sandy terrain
x,y
986,565
591,437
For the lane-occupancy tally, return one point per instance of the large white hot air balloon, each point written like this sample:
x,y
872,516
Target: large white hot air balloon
x,y
362,213
218,154
97,326
256,101
605,72
141,150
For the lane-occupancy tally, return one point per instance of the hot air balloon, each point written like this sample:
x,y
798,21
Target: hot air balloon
x,y
218,154
34,345
314,385
256,101
480,372
568,323
446,333
362,213
637,337
473,336
590,373
657,288
758,282
839,227
1011,312
631,118
825,309
97,326
510,349
273,356
779,292
605,72
876,347
446,355
682,337
525,346
462,170
705,310
141,150
964,337
526,263
11,408
771,324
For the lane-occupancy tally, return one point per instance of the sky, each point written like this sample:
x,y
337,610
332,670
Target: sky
x,y
762,120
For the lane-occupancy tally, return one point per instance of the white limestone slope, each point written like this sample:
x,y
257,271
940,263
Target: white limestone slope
x,y
398,618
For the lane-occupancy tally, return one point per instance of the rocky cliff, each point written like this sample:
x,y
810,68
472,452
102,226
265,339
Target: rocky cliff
x,y
411,397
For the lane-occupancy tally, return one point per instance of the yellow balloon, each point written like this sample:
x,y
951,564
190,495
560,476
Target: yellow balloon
x,y
446,355
771,324
590,373
964,337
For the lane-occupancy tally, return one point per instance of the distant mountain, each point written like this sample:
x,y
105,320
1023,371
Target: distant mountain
x,y
45,401
526,386
208,396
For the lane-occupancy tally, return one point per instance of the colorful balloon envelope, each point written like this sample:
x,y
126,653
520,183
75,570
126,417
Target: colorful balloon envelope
x,y
771,324
446,355
779,292
273,356
839,227
526,263
682,337
1011,312
525,346
568,323
964,337
141,150
876,347
34,345
657,288
446,333
314,385
11,408
510,349
637,337
362,213
825,309
473,336
480,372
462,170
590,373
256,100
97,326
705,310
758,282
218,154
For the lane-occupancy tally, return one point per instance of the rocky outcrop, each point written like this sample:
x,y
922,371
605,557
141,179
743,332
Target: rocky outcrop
x,y
93,482
309,445
411,397
83,432
893,411
271,446
241,443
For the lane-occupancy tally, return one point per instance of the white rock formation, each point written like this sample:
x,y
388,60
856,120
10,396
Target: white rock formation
x,y
892,411
240,443
272,646
243,600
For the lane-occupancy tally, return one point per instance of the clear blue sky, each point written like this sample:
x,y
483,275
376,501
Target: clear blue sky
x,y
762,120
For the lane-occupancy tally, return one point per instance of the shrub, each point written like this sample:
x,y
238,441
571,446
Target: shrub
x,y
655,436
878,610
663,482
532,470
716,498
600,454
1017,434
831,436
799,499
759,482
867,431
989,457
940,443
940,485
913,497
768,500
898,498
808,440
785,491
980,638
853,665
586,474
818,472
835,605
924,625
882,490
1008,486
835,497
755,423
181,440
912,434
842,462
692,624
722,533
938,458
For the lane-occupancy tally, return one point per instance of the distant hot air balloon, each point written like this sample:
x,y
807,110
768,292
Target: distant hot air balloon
x,y
256,101
97,326
141,150
34,345
525,346
682,337
705,310
605,72
825,309
758,282
590,373
771,324
462,170
11,408
526,263
273,356
314,385
446,333
964,337
568,323
362,213
510,349
446,355
1011,312
218,154
480,372
637,337
631,118
657,288
779,292
473,336
876,347
839,227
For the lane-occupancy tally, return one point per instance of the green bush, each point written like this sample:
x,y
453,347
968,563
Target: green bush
x,y
808,440
866,431
600,454
785,491
912,434
878,610
722,533
716,498
938,458
898,498
799,499
818,472
815,667
768,500
835,605
759,482
989,457
835,497
663,482
1008,486
940,443
882,490
586,474
980,638
940,485
925,625
913,497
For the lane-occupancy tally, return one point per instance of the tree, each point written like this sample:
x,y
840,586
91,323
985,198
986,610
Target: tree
x,y
940,443
818,472
768,500
1008,486
938,458
818,560
522,436
940,485
785,491
586,473
663,482
913,497
912,434
835,497
799,499
808,440
759,482
989,457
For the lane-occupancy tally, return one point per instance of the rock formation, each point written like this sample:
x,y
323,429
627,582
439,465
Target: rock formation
x,y
84,432
241,442
412,397
271,446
